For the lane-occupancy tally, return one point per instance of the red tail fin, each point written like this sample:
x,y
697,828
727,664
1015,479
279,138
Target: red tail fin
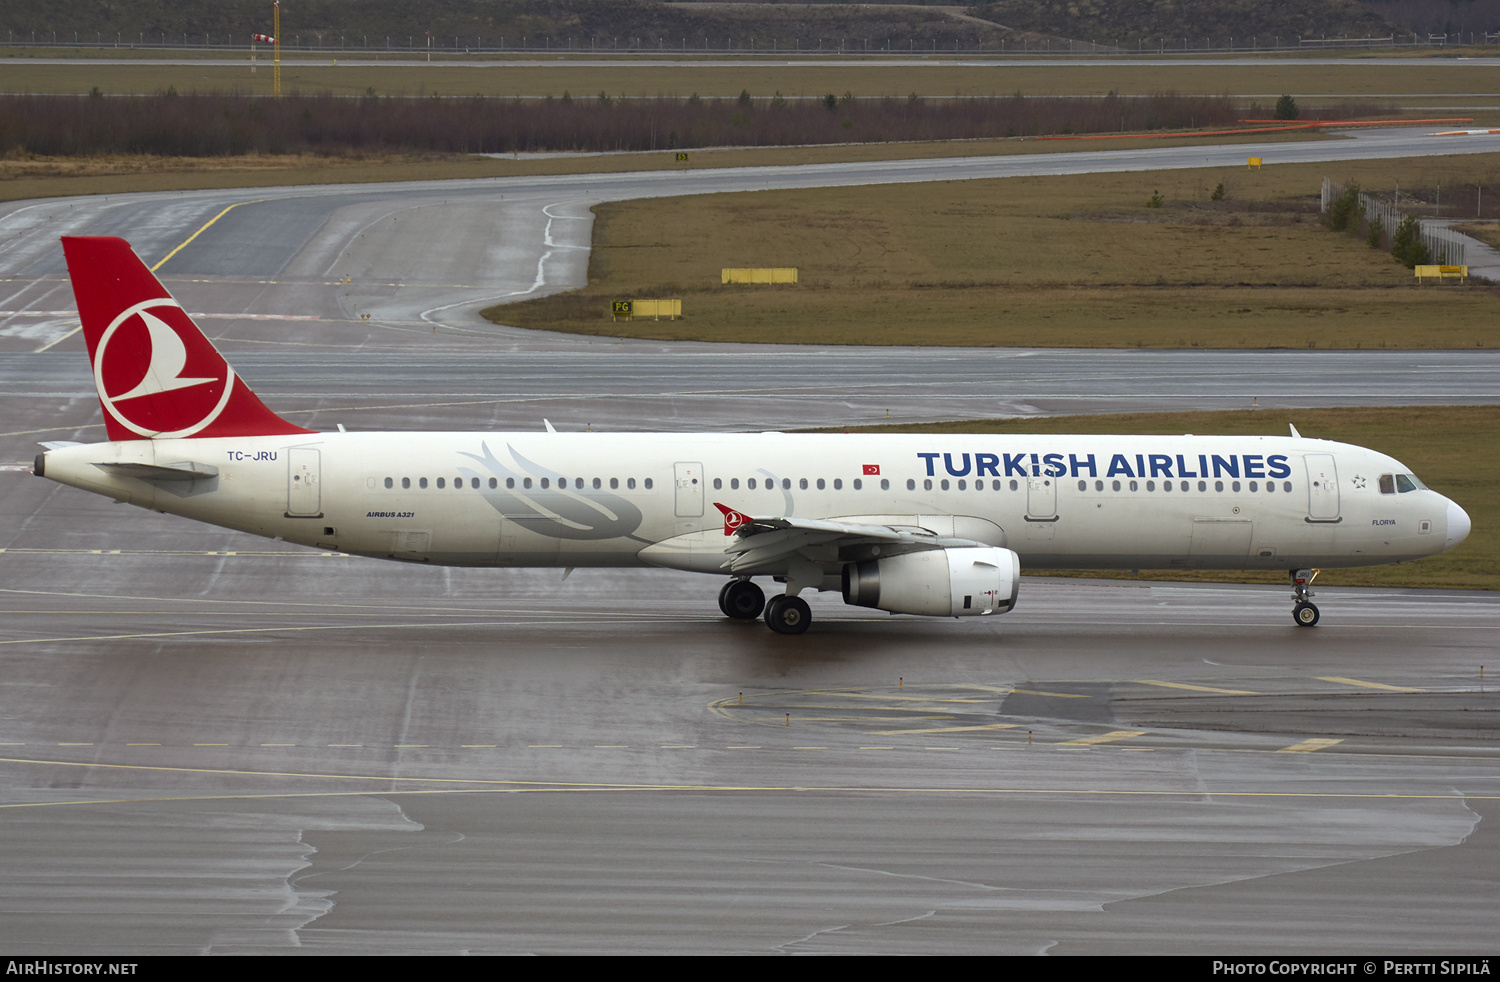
x,y
158,377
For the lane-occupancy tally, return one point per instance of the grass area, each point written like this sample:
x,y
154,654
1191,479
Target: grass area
x,y
1073,261
1486,232
1423,78
1446,446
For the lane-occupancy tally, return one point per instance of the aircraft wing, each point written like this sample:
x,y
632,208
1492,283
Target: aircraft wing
x,y
761,544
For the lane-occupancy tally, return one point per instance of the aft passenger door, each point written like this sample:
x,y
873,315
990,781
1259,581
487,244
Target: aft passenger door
x,y
304,492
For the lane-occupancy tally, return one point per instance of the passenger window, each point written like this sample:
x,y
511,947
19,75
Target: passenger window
x,y
630,483
1254,486
911,485
1013,485
597,482
544,482
1083,485
389,483
734,484
422,483
838,484
718,484
494,483
802,484
647,484
927,484
786,484
526,483
1286,486
1134,486
405,483
820,484
1150,485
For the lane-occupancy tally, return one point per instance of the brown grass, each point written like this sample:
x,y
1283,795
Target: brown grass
x,y
1061,261
1446,446
1432,78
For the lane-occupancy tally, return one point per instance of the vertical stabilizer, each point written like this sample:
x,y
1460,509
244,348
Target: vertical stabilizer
x,y
157,375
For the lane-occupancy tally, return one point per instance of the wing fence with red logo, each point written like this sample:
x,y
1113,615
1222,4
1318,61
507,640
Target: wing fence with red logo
x,y
157,376
733,520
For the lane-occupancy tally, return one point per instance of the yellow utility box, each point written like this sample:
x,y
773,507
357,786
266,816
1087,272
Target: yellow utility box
x,y
1440,273
786,274
654,309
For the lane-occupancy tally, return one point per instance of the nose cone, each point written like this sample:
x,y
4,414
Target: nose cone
x,y
1458,526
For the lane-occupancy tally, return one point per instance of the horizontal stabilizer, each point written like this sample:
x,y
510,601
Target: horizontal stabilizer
x,y
186,470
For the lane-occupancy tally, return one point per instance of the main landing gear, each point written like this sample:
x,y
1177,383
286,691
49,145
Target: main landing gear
x,y
741,600
1304,612
744,601
788,615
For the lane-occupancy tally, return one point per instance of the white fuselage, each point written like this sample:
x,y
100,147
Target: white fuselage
x,y
611,499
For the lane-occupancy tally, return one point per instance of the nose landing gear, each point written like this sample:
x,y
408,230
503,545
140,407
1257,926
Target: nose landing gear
x,y
1304,612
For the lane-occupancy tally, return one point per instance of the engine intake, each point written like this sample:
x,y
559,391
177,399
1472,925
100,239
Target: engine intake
x,y
940,582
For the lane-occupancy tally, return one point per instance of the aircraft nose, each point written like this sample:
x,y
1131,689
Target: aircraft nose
x,y
1458,525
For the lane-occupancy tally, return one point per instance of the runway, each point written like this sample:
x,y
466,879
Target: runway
x,y
215,743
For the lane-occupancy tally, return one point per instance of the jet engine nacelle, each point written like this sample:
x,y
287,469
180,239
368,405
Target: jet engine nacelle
x,y
941,582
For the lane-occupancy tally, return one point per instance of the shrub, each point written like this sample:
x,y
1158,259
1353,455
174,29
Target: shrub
x,y
1407,245
1286,108
1341,214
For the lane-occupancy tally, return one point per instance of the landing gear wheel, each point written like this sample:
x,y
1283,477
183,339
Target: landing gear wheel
x,y
788,615
741,600
1305,614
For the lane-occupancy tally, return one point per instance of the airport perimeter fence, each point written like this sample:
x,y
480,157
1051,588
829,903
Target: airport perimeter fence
x,y
1446,247
349,43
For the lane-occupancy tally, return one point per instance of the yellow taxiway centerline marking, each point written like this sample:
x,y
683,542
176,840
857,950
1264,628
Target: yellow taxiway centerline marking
x,y
1308,746
947,729
1103,738
187,241
1366,685
1196,688
1057,695
494,786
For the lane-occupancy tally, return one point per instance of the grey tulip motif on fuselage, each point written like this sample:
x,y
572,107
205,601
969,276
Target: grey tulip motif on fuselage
x,y
572,512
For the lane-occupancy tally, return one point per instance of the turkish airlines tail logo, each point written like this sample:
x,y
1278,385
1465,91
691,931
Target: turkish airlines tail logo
x,y
157,376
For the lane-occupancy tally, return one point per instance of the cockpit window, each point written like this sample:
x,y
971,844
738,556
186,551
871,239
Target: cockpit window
x,y
1400,483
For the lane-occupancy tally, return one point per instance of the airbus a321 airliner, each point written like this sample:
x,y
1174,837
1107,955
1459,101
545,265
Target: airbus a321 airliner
x,y
936,525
